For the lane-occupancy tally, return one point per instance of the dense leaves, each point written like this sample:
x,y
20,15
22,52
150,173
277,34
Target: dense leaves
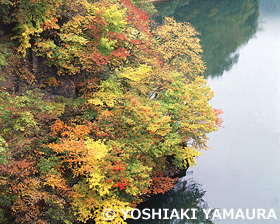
x,y
139,112
179,46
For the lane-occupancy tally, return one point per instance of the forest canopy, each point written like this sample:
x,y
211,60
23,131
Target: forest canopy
x,y
99,108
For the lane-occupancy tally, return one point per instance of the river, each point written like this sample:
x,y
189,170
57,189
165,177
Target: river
x,y
241,42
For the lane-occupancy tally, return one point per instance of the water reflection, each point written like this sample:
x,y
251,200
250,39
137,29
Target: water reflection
x,y
241,169
270,6
224,25
187,194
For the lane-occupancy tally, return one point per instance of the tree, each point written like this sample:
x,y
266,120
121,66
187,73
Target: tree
x,y
137,115
179,46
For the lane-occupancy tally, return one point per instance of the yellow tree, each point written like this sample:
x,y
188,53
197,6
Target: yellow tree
x,y
85,159
178,45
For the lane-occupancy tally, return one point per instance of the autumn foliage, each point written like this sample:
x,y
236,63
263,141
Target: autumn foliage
x,y
140,107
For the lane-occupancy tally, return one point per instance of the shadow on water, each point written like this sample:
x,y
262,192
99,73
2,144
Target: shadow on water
x,y
187,194
224,25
